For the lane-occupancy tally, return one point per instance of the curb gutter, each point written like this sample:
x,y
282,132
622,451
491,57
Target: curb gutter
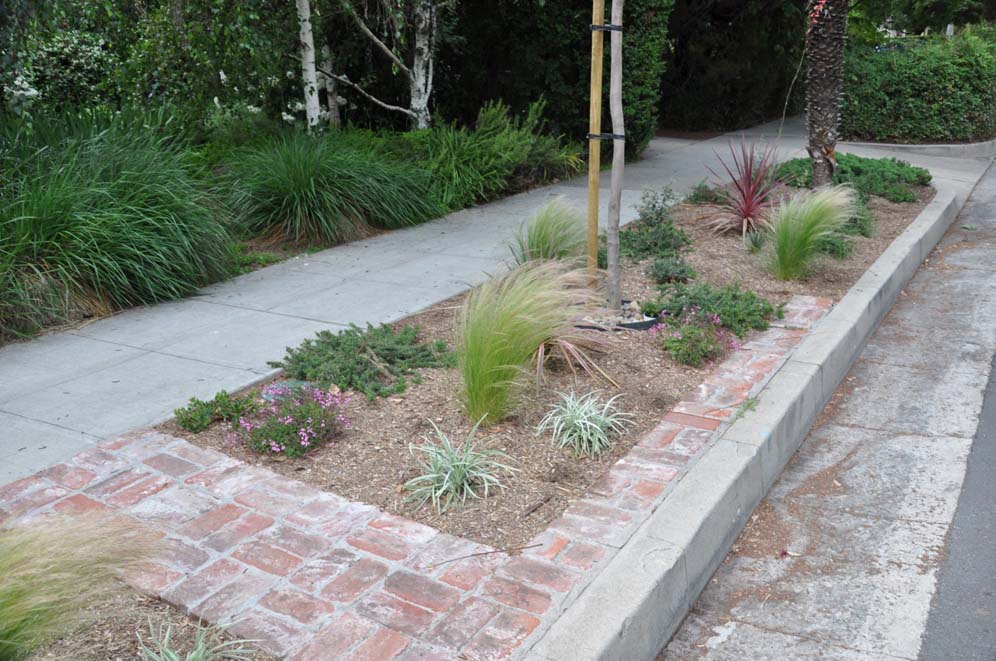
x,y
632,608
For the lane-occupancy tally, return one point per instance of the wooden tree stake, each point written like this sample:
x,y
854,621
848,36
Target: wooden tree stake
x,y
595,128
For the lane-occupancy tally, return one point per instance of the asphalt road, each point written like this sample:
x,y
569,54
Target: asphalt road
x,y
962,621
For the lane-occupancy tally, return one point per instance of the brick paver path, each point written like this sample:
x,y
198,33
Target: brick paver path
x,y
312,575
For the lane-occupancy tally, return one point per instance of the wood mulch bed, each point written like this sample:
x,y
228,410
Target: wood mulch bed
x,y
111,634
371,461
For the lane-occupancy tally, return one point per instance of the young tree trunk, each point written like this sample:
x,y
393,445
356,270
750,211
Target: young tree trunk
x,y
422,70
308,74
618,157
331,88
825,39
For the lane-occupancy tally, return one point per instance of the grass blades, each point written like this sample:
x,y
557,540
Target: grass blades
x,y
307,189
451,474
100,218
512,320
802,223
55,571
584,423
557,231
208,646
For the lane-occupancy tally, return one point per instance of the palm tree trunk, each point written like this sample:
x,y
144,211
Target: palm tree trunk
x,y
825,40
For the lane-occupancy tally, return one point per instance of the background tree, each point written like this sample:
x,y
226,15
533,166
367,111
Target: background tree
x,y
309,76
825,39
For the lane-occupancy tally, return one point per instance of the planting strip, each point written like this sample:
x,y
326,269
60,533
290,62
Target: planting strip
x,y
312,575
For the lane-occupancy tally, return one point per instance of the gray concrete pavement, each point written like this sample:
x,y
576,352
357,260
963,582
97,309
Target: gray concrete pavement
x,y
841,559
62,392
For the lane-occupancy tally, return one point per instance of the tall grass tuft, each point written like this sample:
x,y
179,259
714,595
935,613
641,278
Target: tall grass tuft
x,y
55,571
800,224
513,320
309,189
98,214
557,231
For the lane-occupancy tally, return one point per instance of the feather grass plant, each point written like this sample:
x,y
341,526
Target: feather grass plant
x,y
515,319
800,224
450,474
557,231
55,571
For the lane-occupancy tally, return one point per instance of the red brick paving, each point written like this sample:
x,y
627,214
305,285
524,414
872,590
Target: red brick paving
x,y
313,576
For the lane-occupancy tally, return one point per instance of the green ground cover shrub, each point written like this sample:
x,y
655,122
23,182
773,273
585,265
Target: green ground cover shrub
x,y
921,90
200,414
801,225
556,231
303,188
703,193
98,213
694,337
886,177
738,310
670,268
376,361
654,234
293,420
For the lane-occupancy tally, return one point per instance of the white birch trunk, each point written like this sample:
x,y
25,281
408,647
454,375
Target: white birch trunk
x,y
423,64
331,88
618,158
308,74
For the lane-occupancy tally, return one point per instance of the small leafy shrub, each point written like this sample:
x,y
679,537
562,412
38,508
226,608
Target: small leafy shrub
x,y
937,89
72,68
703,193
654,234
56,573
695,337
802,224
584,423
376,361
451,474
306,189
557,231
738,310
513,320
209,645
198,414
886,177
670,268
292,421
754,180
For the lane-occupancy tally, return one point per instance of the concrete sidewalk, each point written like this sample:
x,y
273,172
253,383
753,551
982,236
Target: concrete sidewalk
x,y
841,559
65,391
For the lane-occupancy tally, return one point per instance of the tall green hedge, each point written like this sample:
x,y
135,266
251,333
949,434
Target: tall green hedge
x,y
922,90
515,50
730,64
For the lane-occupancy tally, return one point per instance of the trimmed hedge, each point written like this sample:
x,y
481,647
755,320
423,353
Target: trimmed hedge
x,y
515,50
921,90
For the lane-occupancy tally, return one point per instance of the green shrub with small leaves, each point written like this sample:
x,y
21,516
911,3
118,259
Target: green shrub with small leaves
x,y
703,193
450,474
886,177
586,424
376,361
199,414
692,339
738,309
670,268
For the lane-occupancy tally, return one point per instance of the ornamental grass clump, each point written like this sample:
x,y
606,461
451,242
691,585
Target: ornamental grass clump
x,y
56,573
801,224
292,420
511,321
450,474
584,423
557,231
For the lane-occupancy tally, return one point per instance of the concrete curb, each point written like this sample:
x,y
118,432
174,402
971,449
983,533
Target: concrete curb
x,y
632,608
985,149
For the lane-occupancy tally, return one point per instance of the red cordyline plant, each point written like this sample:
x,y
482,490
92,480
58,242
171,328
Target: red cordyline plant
x,y
754,179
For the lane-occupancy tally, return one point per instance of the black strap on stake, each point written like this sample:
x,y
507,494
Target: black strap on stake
x,y
606,27
606,136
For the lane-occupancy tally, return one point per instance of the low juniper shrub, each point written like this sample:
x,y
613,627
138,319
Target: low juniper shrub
x,y
696,337
670,268
739,310
703,193
292,421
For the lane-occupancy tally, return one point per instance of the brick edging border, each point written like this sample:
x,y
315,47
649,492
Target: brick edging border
x,y
638,601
